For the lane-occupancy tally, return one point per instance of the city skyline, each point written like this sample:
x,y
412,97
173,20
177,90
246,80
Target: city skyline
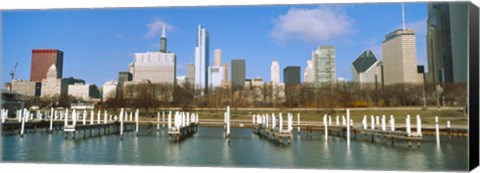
x,y
272,25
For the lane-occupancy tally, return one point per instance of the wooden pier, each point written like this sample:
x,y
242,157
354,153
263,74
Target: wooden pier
x,y
274,135
106,127
182,132
388,134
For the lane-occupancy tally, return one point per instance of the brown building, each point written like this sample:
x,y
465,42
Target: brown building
x,y
42,60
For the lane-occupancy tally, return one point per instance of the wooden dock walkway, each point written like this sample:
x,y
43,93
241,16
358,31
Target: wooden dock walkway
x,y
182,132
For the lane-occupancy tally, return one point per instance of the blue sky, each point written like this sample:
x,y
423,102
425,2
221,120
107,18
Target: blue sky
x,y
98,43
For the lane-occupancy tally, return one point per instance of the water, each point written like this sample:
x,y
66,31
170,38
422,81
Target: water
x,y
209,148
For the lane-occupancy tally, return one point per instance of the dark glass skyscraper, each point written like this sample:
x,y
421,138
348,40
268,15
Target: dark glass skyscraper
x,y
238,73
291,75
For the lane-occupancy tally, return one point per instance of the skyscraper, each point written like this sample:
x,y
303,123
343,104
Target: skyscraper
x,y
157,67
217,57
201,60
447,41
275,72
215,76
291,75
400,58
366,68
308,75
42,60
225,74
238,73
191,74
323,59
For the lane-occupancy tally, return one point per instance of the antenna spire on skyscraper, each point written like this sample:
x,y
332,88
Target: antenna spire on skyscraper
x,y
403,17
163,31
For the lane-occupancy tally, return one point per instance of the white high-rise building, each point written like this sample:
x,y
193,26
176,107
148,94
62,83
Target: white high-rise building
x,y
321,69
217,57
201,60
308,74
275,72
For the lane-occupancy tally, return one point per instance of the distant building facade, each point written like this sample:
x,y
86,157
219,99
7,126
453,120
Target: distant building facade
x,y
238,73
217,57
191,74
366,68
109,90
291,75
215,76
447,28
308,75
157,67
124,76
400,58
53,86
42,60
275,72
27,88
83,91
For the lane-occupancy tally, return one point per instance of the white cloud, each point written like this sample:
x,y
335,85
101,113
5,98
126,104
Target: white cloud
x,y
154,28
317,24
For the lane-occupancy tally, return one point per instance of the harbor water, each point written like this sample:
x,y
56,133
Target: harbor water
x,y
209,148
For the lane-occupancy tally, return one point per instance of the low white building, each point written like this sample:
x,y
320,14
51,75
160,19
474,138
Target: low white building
x,y
109,89
215,76
157,67
83,91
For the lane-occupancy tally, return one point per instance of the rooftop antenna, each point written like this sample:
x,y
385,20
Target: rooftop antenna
x,y
403,17
163,31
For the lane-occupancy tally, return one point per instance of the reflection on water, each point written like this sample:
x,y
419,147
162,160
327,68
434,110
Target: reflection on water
x,y
208,147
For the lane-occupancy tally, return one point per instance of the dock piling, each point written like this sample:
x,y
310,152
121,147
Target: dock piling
x,y
437,133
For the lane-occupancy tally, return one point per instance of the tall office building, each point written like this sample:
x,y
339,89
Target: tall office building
x,y
201,60
323,59
447,42
42,60
400,58
238,73
308,75
157,67
366,68
217,57
191,74
163,40
225,74
291,75
275,72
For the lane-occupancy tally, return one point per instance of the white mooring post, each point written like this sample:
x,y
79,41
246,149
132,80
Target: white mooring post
x,y
98,117
197,118
392,123
384,127
65,118
136,122
329,120
187,123
110,118
326,126
273,121
448,125
253,117
298,122
163,119
437,131
131,117
105,116
419,125
280,123
337,121
74,117
372,120
121,123
169,120
51,120
348,127
23,126
407,125
290,122
84,117
364,122
344,123
158,121
377,120
91,117
228,121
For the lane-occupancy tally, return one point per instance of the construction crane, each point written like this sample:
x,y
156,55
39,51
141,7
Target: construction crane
x,y
12,75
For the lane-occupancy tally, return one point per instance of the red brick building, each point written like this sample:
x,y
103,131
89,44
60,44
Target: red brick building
x,y
42,59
